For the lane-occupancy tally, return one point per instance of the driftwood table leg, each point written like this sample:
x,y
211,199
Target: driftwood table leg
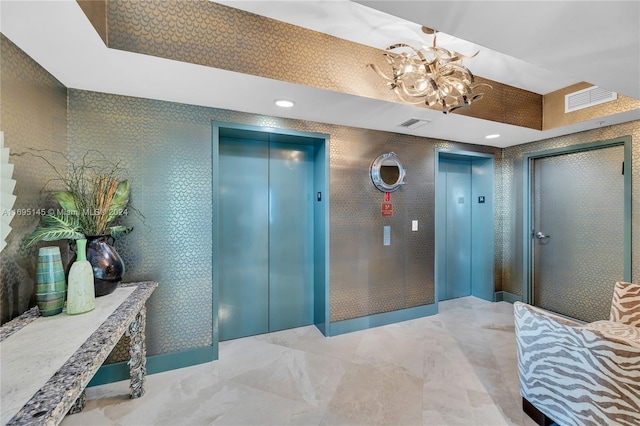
x,y
138,354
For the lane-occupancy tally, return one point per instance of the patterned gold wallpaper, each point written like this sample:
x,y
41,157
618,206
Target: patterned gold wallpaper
x,y
507,104
33,116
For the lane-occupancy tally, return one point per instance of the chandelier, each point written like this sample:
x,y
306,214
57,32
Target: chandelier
x,y
432,75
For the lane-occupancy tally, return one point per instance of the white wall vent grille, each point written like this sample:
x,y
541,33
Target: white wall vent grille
x,y
414,123
591,96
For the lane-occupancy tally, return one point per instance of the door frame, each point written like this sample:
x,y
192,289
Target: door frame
x,y
527,205
441,153
321,214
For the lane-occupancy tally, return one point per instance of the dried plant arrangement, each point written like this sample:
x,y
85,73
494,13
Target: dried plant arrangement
x,y
95,196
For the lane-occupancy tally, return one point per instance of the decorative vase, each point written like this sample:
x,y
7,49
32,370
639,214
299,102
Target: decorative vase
x,y
80,294
50,282
107,264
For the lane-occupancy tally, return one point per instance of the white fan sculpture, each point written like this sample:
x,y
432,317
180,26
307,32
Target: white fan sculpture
x,y
7,184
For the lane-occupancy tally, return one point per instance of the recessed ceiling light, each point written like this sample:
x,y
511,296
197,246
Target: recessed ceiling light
x,y
495,135
284,103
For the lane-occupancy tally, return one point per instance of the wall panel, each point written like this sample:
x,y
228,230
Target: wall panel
x,y
33,112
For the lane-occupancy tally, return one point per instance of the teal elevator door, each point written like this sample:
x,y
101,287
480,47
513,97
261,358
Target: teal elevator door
x,y
456,281
465,225
266,236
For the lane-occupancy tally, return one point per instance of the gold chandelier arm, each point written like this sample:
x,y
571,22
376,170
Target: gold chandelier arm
x,y
416,94
453,108
398,45
481,85
401,94
416,51
462,69
459,56
449,56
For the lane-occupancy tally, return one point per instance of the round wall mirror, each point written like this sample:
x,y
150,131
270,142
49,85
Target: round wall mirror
x,y
387,172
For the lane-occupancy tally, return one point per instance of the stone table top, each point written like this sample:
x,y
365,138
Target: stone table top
x,y
46,362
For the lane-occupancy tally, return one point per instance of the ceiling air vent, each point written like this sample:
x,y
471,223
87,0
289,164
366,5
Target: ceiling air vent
x,y
414,123
594,95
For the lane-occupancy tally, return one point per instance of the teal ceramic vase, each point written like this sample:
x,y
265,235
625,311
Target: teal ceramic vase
x,y
81,296
50,282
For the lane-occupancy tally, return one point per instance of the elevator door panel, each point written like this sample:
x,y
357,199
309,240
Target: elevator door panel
x,y
290,236
244,238
458,230
266,237
578,205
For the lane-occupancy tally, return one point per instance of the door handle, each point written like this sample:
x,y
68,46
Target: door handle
x,y
541,236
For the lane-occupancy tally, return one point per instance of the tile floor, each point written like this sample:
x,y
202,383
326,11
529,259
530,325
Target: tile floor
x,y
454,368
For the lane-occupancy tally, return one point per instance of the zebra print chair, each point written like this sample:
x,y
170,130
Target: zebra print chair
x,y
579,374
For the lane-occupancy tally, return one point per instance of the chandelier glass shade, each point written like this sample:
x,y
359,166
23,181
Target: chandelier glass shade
x,y
431,75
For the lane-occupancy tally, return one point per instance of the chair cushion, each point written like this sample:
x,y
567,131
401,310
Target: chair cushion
x,y
625,306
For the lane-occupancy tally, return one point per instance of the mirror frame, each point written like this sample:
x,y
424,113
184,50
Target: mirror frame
x,y
374,172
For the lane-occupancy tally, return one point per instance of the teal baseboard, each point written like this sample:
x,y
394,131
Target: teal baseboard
x,y
377,320
505,296
155,364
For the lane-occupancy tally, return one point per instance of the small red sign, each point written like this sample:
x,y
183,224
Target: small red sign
x,y
387,209
387,197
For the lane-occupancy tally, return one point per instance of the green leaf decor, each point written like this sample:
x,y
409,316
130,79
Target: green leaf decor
x,y
95,197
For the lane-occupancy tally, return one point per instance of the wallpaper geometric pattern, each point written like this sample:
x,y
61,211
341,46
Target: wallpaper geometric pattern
x,y
166,149
33,117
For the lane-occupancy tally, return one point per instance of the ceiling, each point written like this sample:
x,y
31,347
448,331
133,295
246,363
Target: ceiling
x,y
540,46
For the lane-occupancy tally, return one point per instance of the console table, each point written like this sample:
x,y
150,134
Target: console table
x,y
47,362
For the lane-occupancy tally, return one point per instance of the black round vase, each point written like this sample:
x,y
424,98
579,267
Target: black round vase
x,y
107,264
